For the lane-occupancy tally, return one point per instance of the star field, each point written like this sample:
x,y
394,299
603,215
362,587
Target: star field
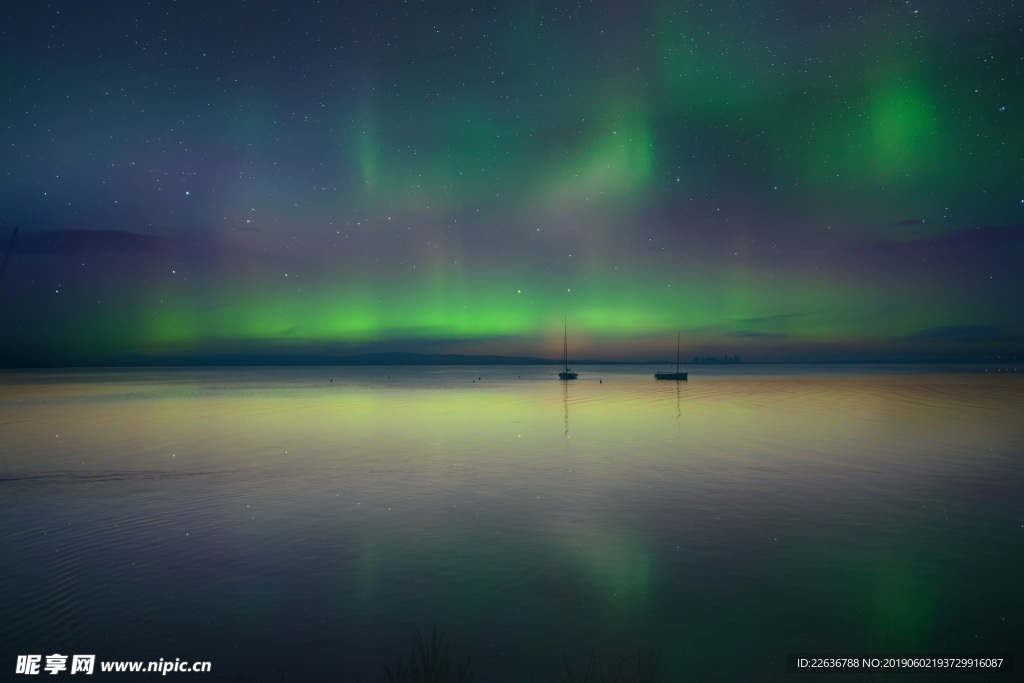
x,y
785,181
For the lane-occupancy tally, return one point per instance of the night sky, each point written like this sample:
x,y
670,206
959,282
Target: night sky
x,y
787,180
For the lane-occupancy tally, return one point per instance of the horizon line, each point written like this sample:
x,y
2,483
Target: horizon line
x,y
402,358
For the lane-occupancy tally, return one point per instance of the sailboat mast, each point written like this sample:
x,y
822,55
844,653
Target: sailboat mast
x,y
565,345
677,352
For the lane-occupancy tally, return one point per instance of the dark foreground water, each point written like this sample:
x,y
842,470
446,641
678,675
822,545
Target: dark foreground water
x,y
272,519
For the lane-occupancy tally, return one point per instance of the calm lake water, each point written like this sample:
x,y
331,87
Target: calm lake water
x,y
311,519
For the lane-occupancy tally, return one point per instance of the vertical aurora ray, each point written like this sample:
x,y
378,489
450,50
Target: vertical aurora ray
x,y
368,156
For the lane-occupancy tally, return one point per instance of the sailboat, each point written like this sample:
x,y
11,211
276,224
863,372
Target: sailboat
x,y
673,375
566,373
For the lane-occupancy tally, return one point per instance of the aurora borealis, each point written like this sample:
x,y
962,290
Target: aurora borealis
x,y
786,181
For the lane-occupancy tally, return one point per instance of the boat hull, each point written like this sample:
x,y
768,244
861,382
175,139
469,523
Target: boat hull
x,y
671,375
569,374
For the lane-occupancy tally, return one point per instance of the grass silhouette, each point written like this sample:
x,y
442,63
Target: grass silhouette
x,y
431,663
639,668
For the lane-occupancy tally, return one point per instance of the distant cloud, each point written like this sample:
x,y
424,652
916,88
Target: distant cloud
x,y
747,334
77,242
771,318
766,321
962,333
